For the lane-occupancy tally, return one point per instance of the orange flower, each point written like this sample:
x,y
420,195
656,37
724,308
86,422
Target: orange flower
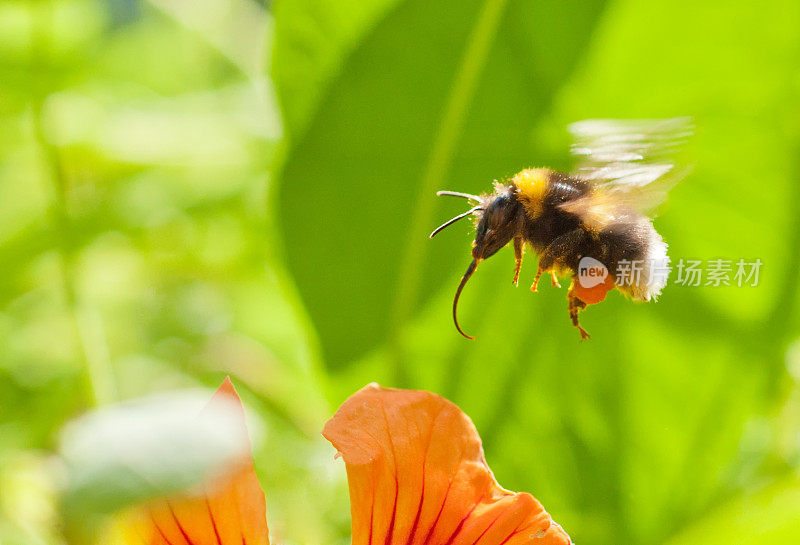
x,y
416,474
231,511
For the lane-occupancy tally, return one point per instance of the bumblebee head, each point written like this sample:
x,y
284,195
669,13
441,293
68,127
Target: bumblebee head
x,y
498,224
499,216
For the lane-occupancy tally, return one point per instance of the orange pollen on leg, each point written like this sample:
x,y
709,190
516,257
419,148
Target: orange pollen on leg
x,y
594,294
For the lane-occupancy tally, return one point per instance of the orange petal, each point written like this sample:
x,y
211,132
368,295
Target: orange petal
x,y
417,475
230,511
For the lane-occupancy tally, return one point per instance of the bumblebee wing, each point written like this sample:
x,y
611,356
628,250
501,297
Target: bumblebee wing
x,y
599,209
629,163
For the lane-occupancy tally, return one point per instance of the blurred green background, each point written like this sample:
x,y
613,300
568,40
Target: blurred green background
x,y
190,189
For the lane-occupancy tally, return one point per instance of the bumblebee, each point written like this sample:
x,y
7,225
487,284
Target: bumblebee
x,y
593,224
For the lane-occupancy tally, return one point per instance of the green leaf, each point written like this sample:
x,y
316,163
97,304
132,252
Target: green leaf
x,y
311,40
438,95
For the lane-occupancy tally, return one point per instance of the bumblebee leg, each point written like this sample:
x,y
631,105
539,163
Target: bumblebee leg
x,y
518,251
575,306
539,272
535,285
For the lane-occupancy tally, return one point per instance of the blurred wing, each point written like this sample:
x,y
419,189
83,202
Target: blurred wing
x,y
630,164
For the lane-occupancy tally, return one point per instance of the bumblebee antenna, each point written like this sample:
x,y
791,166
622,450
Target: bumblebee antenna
x,y
458,194
455,219
470,270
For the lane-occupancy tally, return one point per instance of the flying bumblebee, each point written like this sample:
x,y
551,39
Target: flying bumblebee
x,y
593,224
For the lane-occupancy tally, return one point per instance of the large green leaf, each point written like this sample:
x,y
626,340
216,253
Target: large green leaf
x,y
438,94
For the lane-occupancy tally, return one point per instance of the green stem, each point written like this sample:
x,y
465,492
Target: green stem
x,y
441,156
86,322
